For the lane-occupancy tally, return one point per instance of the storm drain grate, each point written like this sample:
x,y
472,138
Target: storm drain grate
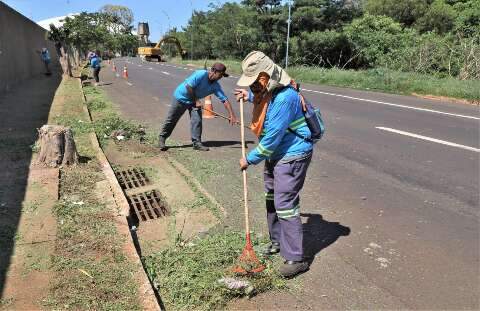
x,y
132,178
147,205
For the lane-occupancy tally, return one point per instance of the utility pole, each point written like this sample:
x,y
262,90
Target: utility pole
x,y
191,37
169,27
288,31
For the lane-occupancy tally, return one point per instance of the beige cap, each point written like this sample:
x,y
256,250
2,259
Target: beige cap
x,y
255,63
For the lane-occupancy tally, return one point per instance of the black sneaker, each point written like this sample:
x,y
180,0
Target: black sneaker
x,y
200,147
272,249
289,269
161,143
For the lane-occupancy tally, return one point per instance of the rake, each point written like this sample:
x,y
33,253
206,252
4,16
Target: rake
x,y
248,262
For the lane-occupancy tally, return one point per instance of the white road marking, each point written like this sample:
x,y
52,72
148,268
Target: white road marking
x,y
150,68
156,98
164,72
129,83
394,105
139,65
428,138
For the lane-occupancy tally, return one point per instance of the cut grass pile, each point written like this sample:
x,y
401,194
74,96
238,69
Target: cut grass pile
x,y
187,274
107,124
379,79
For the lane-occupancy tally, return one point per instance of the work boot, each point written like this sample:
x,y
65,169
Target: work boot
x,y
199,146
272,249
290,268
161,143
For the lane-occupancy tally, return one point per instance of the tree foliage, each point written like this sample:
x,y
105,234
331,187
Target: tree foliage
x,y
109,29
438,37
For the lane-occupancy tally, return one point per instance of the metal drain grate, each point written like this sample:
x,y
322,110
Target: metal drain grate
x,y
147,205
132,178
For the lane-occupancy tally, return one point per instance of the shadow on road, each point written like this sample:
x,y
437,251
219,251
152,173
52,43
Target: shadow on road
x,y
24,109
224,143
319,234
214,144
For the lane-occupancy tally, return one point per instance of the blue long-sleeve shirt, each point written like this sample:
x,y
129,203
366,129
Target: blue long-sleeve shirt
x,y
276,142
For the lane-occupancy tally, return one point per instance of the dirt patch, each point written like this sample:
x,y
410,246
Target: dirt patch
x,y
27,194
29,273
448,99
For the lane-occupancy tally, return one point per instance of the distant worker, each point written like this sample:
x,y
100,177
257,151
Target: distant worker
x,y
198,85
279,123
45,56
95,61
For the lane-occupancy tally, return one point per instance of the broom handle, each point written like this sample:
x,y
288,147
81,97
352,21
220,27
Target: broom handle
x,y
221,115
244,172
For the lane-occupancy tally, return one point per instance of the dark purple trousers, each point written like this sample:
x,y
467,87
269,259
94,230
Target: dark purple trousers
x,y
283,182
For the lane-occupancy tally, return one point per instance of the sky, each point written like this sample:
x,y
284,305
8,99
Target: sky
x,y
160,14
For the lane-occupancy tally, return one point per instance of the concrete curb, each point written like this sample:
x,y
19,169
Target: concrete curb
x,y
146,292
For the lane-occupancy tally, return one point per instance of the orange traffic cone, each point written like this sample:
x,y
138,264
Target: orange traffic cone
x,y
208,108
114,68
125,72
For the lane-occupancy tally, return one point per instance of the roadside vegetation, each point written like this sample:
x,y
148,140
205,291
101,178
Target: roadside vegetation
x,y
377,79
91,271
426,47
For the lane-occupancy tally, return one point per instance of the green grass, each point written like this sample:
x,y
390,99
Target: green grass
x,y
5,302
187,274
91,271
106,120
378,79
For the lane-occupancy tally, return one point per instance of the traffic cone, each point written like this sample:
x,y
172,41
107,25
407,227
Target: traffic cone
x,y
208,108
125,72
114,68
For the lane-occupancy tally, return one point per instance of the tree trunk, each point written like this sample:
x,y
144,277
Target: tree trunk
x,y
57,146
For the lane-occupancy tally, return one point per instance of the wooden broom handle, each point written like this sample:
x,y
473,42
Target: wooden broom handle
x,y
244,172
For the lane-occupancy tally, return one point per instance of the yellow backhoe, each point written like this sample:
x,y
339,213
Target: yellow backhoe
x,y
155,52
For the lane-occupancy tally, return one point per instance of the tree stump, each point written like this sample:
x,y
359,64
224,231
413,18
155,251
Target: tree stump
x,y
57,146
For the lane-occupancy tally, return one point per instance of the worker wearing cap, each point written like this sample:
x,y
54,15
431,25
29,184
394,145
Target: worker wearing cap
x,y
95,63
198,85
277,108
45,55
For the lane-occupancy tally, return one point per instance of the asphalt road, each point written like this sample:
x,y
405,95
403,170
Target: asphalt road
x,y
401,173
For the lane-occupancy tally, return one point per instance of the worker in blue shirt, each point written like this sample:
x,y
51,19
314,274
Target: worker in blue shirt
x,y
45,55
95,61
282,145
198,85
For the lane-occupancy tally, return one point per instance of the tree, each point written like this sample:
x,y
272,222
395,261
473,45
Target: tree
x,y
321,15
120,15
406,12
439,17
323,48
374,37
